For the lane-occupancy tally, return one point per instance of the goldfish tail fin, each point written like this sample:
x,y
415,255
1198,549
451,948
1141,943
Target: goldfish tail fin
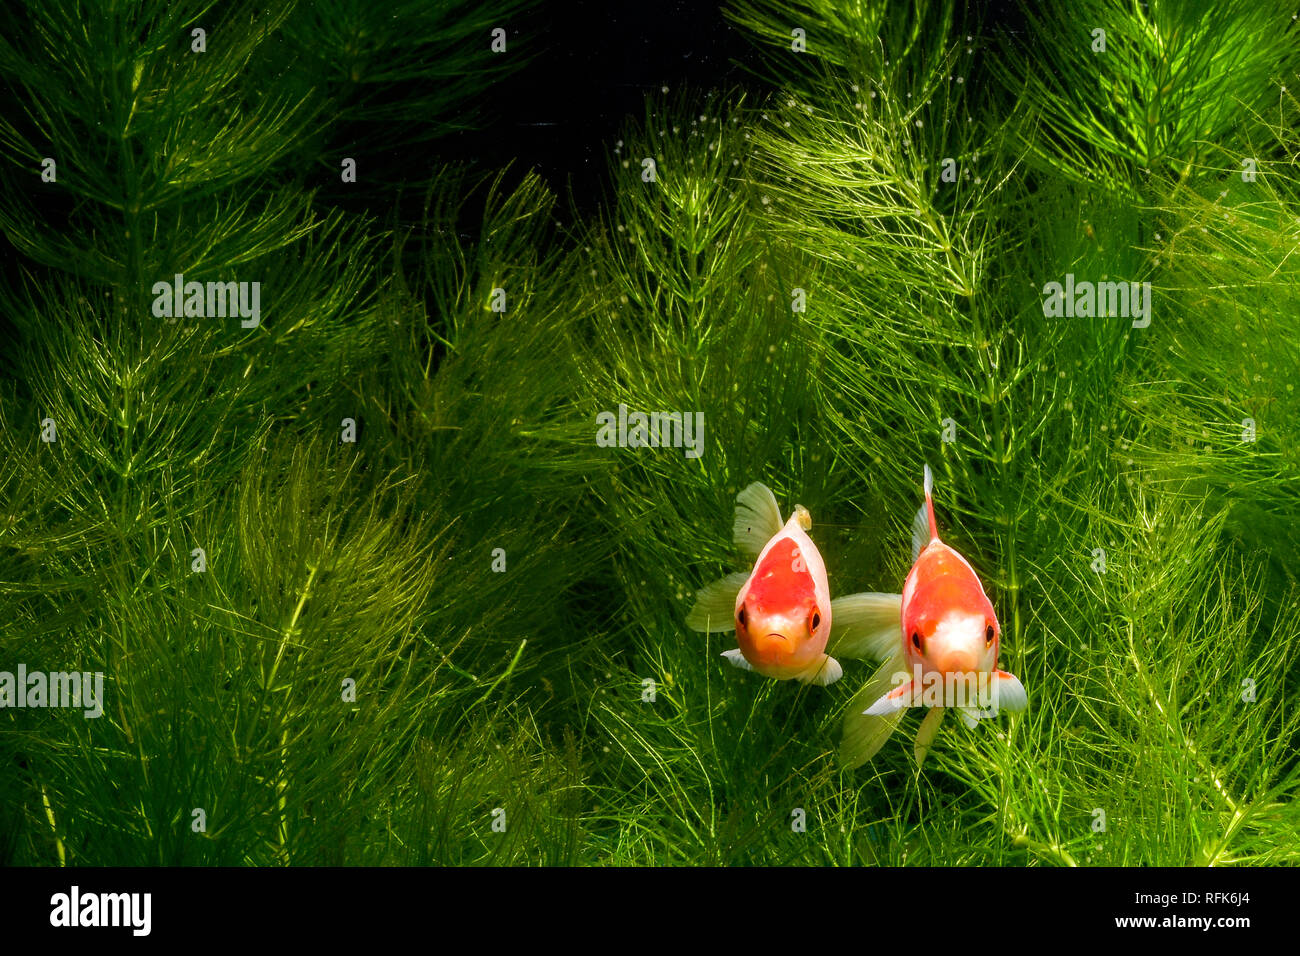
x,y
737,659
865,734
866,626
926,733
825,671
714,610
1011,694
758,518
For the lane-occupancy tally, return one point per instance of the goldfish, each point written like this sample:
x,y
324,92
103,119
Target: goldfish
x,y
939,641
781,610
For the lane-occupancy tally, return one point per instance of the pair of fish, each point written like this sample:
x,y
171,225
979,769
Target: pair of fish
x,y
938,640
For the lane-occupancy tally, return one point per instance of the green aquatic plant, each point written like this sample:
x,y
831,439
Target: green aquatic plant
x,y
263,536
1146,90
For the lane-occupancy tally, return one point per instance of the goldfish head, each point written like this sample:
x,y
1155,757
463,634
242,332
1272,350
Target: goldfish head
x,y
948,622
784,635
782,615
955,641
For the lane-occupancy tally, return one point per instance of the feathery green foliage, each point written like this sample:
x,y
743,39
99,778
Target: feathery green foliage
x,y
1146,89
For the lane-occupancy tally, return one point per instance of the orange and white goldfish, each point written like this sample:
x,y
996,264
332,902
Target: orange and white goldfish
x,y
939,640
781,611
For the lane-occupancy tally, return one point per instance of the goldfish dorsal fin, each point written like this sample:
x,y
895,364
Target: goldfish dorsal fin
x,y
758,519
715,604
924,529
803,517
920,532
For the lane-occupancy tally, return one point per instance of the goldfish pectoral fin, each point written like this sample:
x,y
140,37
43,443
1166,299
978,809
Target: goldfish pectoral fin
x,y
737,659
897,699
969,716
714,610
758,519
825,671
1010,692
926,733
865,626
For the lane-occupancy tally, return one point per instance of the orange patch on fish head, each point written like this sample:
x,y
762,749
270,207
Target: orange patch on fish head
x,y
780,623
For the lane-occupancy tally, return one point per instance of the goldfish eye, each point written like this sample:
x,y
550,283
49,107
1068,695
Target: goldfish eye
x,y
988,634
741,615
816,620
916,639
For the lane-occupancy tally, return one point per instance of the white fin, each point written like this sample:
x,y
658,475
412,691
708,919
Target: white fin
x,y
823,672
900,698
866,626
969,716
865,735
923,529
736,658
926,733
920,532
802,515
758,519
714,610
1011,693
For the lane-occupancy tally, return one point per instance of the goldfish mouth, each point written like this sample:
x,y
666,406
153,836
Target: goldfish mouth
x,y
771,648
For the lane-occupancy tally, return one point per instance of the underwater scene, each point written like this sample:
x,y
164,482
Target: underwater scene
x,y
528,433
